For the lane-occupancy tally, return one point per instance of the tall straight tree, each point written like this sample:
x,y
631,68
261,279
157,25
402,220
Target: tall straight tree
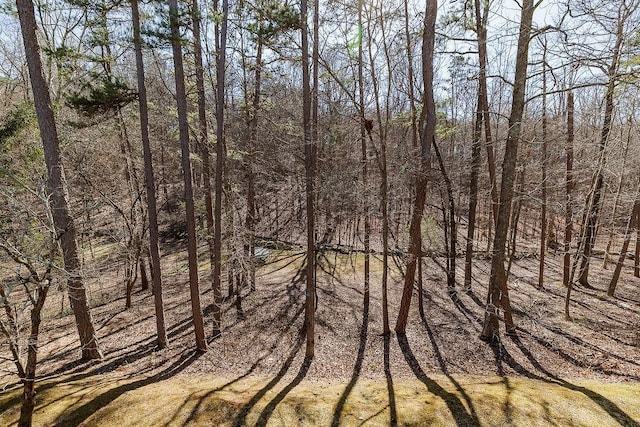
x,y
364,159
206,160
568,213
427,137
56,184
498,295
149,180
543,220
624,12
631,224
183,125
221,42
309,163
414,141
476,145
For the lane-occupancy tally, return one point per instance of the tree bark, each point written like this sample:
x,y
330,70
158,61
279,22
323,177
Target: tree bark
x,y
206,163
631,224
221,45
593,212
56,184
156,272
428,120
568,216
498,294
309,163
364,160
181,99
543,220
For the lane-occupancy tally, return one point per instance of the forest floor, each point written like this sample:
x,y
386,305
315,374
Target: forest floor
x,y
553,372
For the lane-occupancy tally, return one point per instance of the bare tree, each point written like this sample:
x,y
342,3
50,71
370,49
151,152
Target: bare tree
x,y
498,294
427,137
56,184
181,99
309,162
149,180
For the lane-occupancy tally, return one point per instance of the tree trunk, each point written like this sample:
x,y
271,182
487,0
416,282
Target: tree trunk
x,y
482,115
251,187
636,268
631,224
428,120
206,163
309,163
181,98
616,199
221,45
29,393
543,220
364,159
451,235
156,272
56,184
593,213
568,216
482,87
498,295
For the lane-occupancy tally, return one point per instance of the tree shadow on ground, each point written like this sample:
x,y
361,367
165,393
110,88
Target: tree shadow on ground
x,y
393,420
357,367
610,407
271,406
251,369
244,411
80,414
445,370
460,414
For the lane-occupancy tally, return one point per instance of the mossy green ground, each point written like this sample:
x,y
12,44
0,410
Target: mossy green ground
x,y
437,400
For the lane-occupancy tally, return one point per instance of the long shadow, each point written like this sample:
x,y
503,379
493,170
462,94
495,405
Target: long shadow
x,y
81,413
252,368
443,367
393,413
244,412
610,407
460,414
271,406
357,367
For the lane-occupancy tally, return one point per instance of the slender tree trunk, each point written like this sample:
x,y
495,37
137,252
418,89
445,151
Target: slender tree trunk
x,y
251,187
56,184
475,169
309,162
181,98
221,37
593,213
482,87
568,218
631,224
543,221
428,120
144,280
364,159
498,295
515,219
206,162
616,199
29,378
450,237
636,268
414,146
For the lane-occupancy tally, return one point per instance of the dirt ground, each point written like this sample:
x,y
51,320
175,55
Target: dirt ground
x,y
602,341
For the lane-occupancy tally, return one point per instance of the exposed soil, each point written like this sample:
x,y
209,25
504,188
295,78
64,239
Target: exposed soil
x,y
602,341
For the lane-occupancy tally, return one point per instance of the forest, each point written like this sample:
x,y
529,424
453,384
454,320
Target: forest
x,y
275,212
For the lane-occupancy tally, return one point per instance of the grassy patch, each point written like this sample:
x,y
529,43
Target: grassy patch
x,y
439,401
